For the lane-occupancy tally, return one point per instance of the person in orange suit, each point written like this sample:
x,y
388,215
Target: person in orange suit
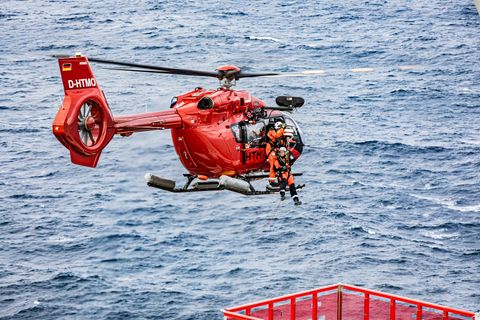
x,y
282,167
275,140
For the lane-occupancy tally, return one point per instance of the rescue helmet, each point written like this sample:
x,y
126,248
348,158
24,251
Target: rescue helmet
x,y
282,151
278,125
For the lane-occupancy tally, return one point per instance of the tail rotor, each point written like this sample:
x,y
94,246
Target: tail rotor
x,y
90,123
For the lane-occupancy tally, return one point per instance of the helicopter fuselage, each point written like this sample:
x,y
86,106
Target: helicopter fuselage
x,y
217,137
212,140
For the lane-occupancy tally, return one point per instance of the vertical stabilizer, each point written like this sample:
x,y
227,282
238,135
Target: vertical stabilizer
x,y
84,123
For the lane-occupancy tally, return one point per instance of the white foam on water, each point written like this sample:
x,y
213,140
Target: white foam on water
x,y
439,235
450,204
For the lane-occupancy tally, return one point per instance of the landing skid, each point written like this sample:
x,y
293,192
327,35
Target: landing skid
x,y
243,187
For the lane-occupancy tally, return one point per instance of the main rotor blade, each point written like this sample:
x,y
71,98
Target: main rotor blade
x,y
253,75
179,71
136,70
308,73
148,68
136,67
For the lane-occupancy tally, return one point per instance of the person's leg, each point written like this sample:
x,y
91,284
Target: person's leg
x,y
293,190
272,176
283,187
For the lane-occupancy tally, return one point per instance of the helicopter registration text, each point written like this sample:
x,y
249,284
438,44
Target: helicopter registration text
x,y
253,155
82,83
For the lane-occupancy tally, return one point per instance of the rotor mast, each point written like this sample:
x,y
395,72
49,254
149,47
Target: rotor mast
x,y
228,76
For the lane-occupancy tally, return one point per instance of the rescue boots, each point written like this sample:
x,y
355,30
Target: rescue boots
x,y
296,200
283,186
274,184
293,193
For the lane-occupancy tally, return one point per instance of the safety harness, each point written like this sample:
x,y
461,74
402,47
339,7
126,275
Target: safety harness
x,y
275,143
284,165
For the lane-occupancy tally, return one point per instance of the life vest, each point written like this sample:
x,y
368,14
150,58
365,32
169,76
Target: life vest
x,y
276,138
284,164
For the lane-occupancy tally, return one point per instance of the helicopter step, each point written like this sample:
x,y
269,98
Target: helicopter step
x,y
262,175
223,183
276,187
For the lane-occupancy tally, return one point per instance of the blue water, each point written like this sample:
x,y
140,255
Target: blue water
x,y
392,168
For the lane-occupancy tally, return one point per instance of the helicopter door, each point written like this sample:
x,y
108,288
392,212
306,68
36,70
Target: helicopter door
x,y
255,141
294,139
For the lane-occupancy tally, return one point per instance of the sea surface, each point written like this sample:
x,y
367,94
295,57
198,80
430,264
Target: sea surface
x,y
392,166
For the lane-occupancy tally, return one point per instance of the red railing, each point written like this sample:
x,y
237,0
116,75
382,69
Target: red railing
x,y
344,301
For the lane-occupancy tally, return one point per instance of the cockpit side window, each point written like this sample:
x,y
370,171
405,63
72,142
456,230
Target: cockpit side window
x,y
236,132
252,134
256,135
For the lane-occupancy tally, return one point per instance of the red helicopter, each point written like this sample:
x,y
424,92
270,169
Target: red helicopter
x,y
219,135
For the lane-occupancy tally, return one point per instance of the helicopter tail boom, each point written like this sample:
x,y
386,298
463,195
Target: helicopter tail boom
x,y
167,119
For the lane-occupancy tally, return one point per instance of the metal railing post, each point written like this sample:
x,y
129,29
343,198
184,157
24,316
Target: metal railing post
x,y
270,311
419,312
315,306
392,309
292,308
366,307
339,302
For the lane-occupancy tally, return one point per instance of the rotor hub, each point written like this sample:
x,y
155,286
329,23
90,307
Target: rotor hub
x,y
228,75
90,123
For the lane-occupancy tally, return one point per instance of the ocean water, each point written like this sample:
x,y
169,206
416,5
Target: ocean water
x,y
392,167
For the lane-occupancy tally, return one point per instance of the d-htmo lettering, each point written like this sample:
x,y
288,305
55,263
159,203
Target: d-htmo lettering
x,y
253,155
82,83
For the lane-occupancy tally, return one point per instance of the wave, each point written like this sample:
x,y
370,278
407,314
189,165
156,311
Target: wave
x,y
56,47
444,226
449,204
232,13
165,47
262,38
397,147
78,18
20,130
7,16
440,235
